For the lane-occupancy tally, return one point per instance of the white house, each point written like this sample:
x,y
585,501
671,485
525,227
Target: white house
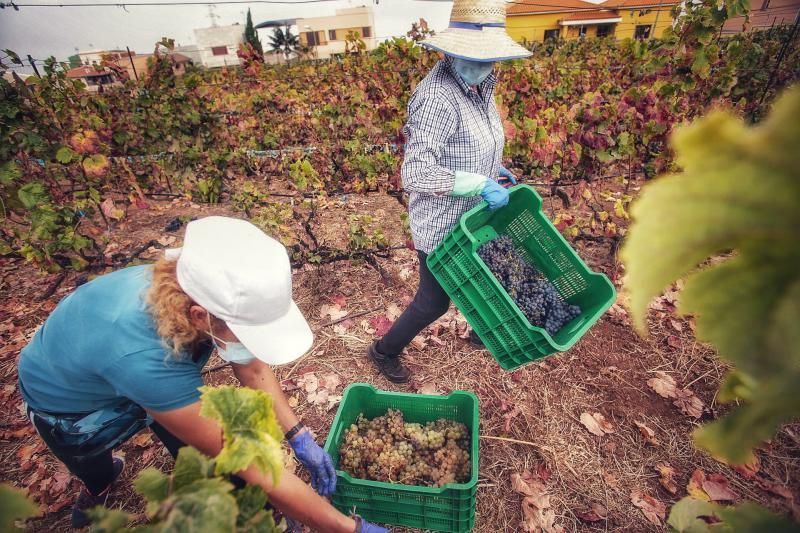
x,y
217,45
327,34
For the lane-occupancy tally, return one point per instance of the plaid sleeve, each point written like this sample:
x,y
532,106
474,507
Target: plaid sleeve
x,y
431,122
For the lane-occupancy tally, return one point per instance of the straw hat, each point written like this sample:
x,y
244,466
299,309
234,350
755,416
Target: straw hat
x,y
477,32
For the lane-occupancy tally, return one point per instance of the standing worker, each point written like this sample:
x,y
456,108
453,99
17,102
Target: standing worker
x,y
126,350
454,148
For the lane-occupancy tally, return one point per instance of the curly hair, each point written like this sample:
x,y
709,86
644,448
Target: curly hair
x,y
169,306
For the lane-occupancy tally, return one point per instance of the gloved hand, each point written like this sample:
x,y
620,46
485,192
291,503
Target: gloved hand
x,y
316,461
495,194
507,179
365,527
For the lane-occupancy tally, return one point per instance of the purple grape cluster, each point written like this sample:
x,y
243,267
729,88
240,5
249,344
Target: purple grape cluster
x,y
536,297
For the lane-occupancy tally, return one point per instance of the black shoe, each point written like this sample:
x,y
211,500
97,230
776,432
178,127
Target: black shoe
x,y
86,500
474,339
391,367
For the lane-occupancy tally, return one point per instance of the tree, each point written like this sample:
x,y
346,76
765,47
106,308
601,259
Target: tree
x,y
251,35
283,40
74,61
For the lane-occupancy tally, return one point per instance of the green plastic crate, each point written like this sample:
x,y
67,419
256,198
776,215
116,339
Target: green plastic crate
x,y
450,508
491,312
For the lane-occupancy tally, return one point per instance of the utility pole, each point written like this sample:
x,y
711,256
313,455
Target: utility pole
x,y
33,64
132,65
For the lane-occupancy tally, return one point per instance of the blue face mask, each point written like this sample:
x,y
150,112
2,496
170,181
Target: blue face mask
x,y
234,352
472,72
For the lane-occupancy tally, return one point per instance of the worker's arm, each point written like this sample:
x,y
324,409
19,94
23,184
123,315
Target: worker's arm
x,y
258,375
293,497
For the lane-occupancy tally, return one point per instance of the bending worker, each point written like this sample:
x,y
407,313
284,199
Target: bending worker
x,y
453,157
127,350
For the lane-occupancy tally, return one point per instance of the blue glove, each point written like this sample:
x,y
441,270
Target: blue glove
x,y
316,461
365,527
495,194
507,179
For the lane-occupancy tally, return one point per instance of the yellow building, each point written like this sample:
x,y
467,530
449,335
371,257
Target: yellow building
x,y
541,20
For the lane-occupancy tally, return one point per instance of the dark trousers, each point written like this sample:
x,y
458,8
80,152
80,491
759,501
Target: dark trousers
x,y
429,304
98,472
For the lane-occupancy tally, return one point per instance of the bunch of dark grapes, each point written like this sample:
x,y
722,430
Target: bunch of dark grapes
x,y
536,297
389,449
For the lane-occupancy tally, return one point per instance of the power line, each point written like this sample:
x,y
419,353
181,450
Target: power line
x,y
185,3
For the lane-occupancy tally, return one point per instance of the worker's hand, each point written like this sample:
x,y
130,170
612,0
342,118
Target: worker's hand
x,y
506,179
494,194
317,462
365,527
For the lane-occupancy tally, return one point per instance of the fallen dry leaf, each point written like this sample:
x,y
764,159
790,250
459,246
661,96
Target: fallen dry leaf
x,y
688,403
338,299
308,382
330,381
333,312
393,311
334,400
676,324
652,509
61,481
428,388
663,384
695,485
143,440
667,480
381,324
595,513
648,434
318,397
596,424
293,401
778,489
674,342
718,489
419,342
508,417
536,513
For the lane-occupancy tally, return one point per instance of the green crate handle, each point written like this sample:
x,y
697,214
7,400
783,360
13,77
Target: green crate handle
x,y
514,341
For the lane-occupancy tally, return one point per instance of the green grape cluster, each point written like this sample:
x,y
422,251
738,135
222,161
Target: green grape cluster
x,y
389,449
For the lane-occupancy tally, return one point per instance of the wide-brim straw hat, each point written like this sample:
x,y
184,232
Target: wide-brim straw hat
x,y
477,32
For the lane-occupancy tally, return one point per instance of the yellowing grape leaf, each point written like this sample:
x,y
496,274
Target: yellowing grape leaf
x,y
95,165
250,429
737,199
14,505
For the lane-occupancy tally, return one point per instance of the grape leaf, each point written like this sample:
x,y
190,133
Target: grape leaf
x,y
32,194
749,516
206,505
686,515
249,426
96,165
153,484
9,171
14,505
64,155
738,193
106,520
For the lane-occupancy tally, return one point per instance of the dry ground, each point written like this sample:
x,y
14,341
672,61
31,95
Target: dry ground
x,y
606,372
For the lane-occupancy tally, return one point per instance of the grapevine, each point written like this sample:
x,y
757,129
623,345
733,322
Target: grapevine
x,y
389,449
536,297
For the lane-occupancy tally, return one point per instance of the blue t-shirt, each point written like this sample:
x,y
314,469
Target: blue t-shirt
x,y
100,346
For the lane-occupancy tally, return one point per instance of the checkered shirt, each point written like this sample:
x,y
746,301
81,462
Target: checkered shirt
x,y
450,127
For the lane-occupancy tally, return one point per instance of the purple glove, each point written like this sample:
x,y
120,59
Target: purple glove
x,y
507,179
317,462
365,527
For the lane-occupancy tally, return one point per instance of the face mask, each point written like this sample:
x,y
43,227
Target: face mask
x,y
234,352
472,72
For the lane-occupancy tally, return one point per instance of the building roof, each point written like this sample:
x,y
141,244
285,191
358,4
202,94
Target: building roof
x,y
87,72
179,59
527,7
637,4
592,15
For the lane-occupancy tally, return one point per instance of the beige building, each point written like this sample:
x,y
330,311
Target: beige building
x,y
327,34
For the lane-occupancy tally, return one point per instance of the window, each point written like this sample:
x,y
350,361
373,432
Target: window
x,y
312,39
642,32
604,30
219,50
551,35
331,35
582,31
366,31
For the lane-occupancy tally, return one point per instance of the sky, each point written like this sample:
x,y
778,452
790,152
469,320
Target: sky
x,y
59,31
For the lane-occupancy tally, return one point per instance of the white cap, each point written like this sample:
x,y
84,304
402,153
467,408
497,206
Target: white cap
x,y
242,276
